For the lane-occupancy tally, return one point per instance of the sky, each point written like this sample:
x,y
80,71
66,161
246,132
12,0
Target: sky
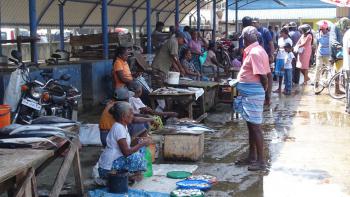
x,y
270,4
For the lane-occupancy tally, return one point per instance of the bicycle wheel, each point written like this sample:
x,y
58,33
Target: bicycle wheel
x,y
322,83
337,86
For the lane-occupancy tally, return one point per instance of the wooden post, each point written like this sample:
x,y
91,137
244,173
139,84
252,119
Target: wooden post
x,y
26,183
77,174
62,174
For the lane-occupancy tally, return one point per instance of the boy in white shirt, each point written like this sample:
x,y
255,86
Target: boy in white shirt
x,y
288,72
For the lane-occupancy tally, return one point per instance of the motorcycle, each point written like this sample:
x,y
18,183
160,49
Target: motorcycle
x,y
58,99
42,99
29,104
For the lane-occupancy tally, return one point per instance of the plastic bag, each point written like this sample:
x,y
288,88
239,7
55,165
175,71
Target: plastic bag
x,y
95,175
13,90
148,157
203,57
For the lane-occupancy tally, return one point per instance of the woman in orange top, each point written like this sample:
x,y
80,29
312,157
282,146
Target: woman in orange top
x,y
121,70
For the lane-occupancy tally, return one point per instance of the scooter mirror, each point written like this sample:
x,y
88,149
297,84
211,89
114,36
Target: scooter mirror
x,y
65,77
15,54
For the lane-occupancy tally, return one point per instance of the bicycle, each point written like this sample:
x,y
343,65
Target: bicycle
x,y
326,74
337,85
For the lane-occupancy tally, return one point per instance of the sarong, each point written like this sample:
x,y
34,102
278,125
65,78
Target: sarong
x,y
250,102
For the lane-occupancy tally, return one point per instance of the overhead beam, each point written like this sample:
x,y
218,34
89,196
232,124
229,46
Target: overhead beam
x,y
42,13
165,6
199,9
90,12
124,12
183,2
119,5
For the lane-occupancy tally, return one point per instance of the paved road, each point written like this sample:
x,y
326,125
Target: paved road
x,y
307,142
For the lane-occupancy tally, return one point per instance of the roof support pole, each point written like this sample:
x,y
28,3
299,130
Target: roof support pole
x,y
198,15
0,31
149,30
226,18
33,30
61,23
176,14
157,16
104,18
134,25
214,21
190,21
236,17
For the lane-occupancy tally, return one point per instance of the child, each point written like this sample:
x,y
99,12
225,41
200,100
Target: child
x,y
288,69
281,55
189,67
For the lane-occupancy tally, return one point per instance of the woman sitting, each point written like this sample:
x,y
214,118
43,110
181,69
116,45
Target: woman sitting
x,y
190,69
118,154
211,64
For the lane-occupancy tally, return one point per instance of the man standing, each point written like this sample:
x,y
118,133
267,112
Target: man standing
x,y
166,58
346,66
252,85
270,50
295,35
158,37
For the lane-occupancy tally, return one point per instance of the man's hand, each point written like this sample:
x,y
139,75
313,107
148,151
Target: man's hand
x,y
271,59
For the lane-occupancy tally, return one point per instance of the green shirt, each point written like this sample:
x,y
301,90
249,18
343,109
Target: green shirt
x,y
163,59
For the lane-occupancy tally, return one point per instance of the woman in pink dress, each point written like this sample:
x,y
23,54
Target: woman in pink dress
x,y
304,47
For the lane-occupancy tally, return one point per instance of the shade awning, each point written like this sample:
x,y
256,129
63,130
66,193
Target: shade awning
x,y
339,3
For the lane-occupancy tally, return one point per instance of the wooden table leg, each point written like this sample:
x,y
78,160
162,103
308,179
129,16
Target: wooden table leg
x,y
62,174
153,103
78,175
24,188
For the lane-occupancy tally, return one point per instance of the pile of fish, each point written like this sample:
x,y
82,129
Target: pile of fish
x,y
22,136
171,90
189,127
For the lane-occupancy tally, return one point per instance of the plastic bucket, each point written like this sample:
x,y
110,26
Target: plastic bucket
x,y
5,115
173,78
118,183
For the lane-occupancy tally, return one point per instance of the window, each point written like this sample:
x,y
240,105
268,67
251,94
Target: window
x,y
3,36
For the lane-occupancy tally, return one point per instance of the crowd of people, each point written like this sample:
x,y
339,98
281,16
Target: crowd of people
x,y
263,54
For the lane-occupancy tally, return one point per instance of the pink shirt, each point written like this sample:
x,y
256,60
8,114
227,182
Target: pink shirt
x,y
195,46
255,63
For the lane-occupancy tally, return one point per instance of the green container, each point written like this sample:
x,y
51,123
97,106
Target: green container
x,y
148,157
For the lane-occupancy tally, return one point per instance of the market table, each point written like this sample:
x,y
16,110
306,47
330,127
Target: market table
x,y
207,101
18,165
189,98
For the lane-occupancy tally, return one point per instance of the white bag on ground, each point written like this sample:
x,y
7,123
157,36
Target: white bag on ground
x,y
95,175
89,134
13,90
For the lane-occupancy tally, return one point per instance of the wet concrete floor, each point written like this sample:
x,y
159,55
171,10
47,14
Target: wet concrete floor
x,y
307,144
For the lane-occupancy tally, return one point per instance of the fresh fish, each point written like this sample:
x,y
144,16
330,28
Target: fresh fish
x,y
35,127
22,135
14,145
51,120
63,125
27,140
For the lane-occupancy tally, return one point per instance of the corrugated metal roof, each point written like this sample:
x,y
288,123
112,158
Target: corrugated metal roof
x,y
276,14
88,13
312,13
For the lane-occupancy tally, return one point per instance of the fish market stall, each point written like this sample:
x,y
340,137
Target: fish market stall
x,y
171,95
17,166
207,101
33,148
182,140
